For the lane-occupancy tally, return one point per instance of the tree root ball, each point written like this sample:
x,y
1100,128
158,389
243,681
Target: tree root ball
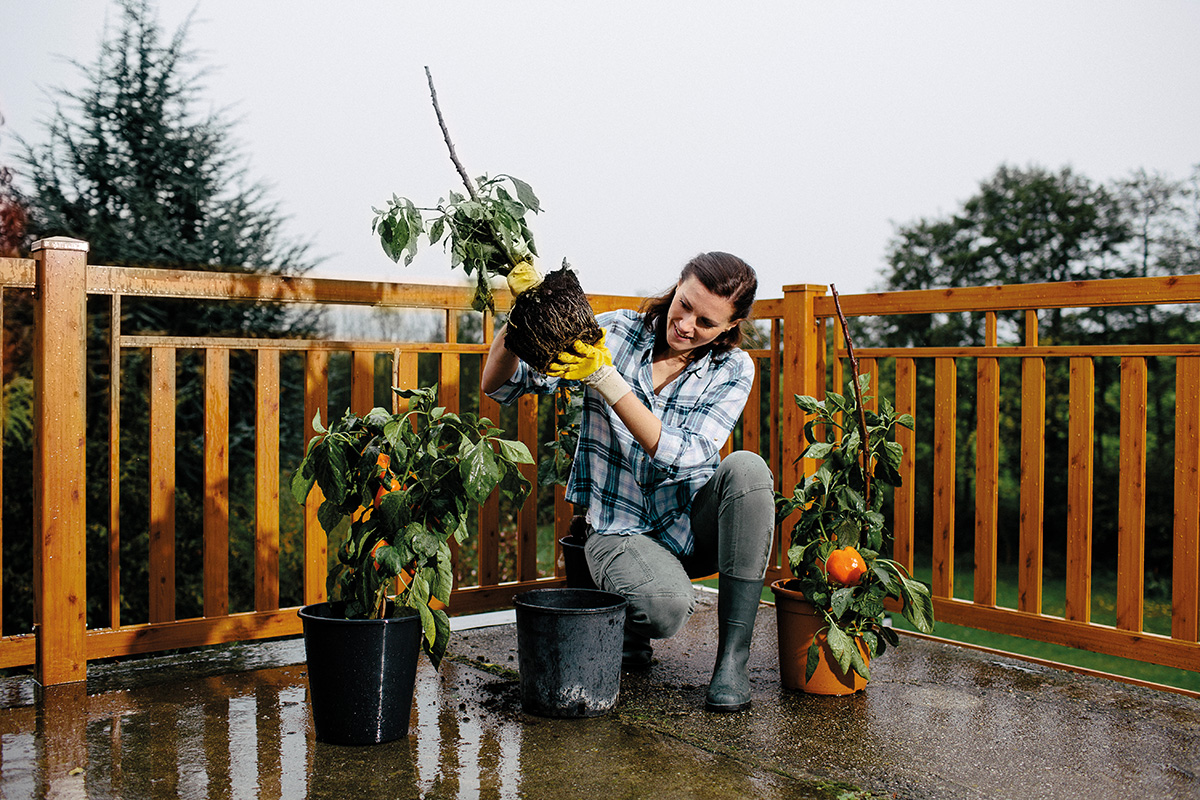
x,y
549,318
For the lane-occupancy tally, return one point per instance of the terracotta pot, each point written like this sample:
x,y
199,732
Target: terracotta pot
x,y
798,623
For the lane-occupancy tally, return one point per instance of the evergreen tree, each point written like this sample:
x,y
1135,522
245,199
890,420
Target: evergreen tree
x,y
131,166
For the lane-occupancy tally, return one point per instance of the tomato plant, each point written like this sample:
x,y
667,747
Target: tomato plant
x,y
839,531
408,482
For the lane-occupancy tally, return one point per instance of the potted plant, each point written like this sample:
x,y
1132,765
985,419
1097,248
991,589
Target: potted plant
x,y
407,482
841,579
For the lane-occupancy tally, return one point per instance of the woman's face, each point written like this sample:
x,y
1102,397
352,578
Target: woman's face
x,y
696,316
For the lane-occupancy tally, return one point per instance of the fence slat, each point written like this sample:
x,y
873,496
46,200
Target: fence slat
x,y
114,463
216,483
1033,464
1185,576
904,498
162,484
527,530
1081,441
362,381
489,513
945,414
266,480
1131,504
987,478
316,542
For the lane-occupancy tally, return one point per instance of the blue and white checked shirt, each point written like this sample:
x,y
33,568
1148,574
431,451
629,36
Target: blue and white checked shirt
x,y
625,489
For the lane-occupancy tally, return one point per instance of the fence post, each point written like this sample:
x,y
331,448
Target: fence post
x,y
59,474
802,346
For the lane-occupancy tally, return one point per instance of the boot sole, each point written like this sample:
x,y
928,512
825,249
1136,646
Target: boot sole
x,y
726,709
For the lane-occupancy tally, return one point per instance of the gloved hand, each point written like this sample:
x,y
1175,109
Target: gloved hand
x,y
592,364
523,277
586,359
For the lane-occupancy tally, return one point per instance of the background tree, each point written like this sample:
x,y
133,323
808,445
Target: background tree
x,y
128,164
1030,226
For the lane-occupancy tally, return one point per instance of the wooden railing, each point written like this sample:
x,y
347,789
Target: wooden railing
x,y
1075,628
793,358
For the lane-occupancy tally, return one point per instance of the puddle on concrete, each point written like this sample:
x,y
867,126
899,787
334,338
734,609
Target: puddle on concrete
x,y
249,735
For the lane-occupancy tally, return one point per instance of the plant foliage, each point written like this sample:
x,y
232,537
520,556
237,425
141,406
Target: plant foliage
x,y
407,481
835,511
486,234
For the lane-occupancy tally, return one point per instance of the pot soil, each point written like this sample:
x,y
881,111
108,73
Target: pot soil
x,y
549,318
798,623
361,673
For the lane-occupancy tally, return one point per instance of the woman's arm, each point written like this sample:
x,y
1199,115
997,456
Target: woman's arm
x,y
640,421
501,364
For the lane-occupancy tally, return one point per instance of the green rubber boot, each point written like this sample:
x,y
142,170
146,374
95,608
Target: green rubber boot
x,y
737,608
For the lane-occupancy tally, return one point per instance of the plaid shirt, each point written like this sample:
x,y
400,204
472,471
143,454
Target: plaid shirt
x,y
625,489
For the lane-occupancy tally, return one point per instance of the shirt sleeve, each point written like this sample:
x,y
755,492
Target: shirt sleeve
x,y
523,381
698,443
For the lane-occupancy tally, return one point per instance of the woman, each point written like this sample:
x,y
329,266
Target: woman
x,y
668,384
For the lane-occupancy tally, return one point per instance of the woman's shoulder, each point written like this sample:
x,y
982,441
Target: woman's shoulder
x,y
735,361
625,322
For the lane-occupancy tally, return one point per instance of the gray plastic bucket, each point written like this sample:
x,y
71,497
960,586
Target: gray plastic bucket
x,y
569,651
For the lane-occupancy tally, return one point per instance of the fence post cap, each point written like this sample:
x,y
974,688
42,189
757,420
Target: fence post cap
x,y
60,243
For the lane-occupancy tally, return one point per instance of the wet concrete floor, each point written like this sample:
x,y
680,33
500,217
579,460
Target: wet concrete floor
x,y
936,721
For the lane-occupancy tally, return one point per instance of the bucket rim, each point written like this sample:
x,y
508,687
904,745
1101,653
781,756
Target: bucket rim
x,y
607,602
324,612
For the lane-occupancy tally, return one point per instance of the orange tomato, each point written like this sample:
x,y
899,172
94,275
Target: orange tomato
x,y
846,566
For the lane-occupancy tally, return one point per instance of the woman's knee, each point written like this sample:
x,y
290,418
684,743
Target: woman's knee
x,y
663,614
746,469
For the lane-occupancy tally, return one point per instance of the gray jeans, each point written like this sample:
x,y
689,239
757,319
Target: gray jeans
x,y
733,522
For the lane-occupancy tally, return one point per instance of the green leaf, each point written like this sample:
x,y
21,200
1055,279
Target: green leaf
x,y
859,664
525,194
514,451
817,450
437,649
480,472
840,646
810,405
329,515
316,422
301,486
377,417
842,600
389,561
814,659
393,432
918,604
331,467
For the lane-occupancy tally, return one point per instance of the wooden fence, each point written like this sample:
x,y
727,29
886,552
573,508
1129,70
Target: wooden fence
x,y
793,359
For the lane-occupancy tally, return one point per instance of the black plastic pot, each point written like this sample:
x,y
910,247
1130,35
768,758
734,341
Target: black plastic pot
x,y
578,574
569,651
361,674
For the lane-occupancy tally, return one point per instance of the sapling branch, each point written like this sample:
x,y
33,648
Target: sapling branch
x,y
865,435
462,171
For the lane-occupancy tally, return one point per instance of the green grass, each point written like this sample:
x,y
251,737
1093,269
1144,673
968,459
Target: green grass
x,y
1157,620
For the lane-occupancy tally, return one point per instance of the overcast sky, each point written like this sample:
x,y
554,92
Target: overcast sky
x,y
794,134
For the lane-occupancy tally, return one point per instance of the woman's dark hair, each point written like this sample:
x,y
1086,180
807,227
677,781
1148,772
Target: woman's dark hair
x,y
726,276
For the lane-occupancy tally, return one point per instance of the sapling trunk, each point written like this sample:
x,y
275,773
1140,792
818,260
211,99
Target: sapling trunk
x,y
865,442
546,319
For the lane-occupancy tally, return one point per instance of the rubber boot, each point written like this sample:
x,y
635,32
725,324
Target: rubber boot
x,y
737,608
636,652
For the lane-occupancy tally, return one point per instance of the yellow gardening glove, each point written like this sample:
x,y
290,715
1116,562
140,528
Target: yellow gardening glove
x,y
586,359
523,277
